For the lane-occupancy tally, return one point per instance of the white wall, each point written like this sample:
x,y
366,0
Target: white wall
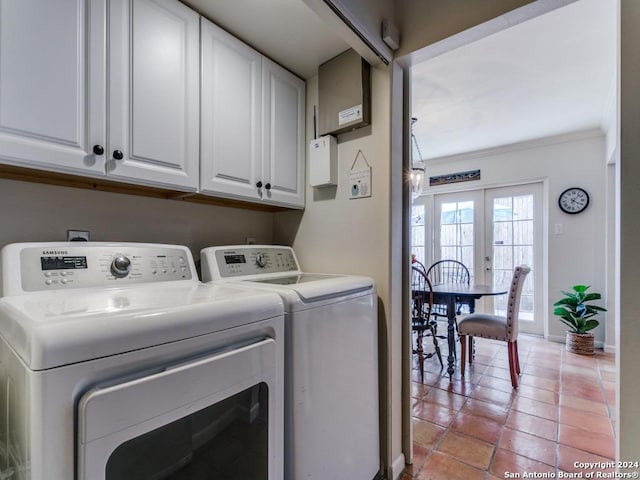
x,y
32,212
579,255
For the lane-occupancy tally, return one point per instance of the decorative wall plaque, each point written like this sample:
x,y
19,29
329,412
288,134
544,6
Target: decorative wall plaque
x,y
454,178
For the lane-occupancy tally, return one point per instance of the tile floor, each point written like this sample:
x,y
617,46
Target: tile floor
x,y
481,428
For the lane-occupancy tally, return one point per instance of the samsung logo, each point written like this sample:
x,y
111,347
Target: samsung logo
x,y
54,252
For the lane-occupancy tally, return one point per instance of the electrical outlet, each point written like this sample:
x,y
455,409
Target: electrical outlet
x,y
250,240
77,235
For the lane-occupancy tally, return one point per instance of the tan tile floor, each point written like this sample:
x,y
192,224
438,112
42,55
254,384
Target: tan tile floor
x,y
480,428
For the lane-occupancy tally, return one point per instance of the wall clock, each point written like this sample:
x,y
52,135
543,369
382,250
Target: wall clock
x,y
573,200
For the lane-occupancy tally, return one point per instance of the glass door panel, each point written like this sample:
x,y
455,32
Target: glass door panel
x,y
514,238
212,443
458,225
418,232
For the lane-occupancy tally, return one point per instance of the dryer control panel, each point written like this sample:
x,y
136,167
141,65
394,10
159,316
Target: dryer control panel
x,y
251,260
69,265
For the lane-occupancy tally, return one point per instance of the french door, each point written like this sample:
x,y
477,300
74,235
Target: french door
x,y
492,231
515,238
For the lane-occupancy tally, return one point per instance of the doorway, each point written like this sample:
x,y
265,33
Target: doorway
x,y
447,110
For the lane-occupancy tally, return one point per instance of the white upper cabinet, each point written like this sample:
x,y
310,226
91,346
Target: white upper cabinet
x,y
147,92
283,99
231,106
49,117
54,87
252,124
153,87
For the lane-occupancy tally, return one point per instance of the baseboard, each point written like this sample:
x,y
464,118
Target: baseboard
x,y
557,338
610,349
397,467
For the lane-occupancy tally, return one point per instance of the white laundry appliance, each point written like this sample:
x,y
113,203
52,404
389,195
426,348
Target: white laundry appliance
x,y
331,359
116,362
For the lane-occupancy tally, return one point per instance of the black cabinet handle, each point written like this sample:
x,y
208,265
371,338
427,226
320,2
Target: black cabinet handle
x,y
268,186
98,149
117,154
259,184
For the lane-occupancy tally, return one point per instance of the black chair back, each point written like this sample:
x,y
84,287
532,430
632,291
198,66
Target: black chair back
x,y
421,296
449,271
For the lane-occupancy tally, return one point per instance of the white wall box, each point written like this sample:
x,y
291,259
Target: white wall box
x,y
323,161
252,124
54,87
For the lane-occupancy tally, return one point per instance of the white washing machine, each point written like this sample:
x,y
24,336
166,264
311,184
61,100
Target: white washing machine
x,y
117,363
331,359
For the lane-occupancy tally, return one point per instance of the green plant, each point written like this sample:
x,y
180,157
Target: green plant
x,y
574,311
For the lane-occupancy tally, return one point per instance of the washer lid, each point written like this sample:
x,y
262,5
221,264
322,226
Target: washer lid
x,y
315,287
54,329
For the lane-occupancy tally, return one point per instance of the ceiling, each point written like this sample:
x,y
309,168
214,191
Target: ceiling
x,y
550,75
287,31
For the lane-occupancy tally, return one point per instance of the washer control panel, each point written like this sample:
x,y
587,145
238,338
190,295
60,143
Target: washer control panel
x,y
254,260
75,265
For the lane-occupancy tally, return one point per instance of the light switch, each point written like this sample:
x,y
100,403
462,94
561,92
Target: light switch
x,y
558,229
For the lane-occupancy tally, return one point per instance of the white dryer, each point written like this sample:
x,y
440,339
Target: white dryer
x,y
331,359
117,363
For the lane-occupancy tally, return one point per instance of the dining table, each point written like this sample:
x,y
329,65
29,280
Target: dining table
x,y
450,294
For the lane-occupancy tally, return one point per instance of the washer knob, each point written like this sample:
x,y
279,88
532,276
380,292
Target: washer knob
x,y
120,266
261,261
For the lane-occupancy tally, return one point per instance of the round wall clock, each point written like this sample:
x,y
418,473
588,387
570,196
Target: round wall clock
x,y
573,200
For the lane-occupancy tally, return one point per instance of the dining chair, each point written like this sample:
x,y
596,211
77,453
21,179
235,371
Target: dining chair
x,y
449,271
421,322
497,327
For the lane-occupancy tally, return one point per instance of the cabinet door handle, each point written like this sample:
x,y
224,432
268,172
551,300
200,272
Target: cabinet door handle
x,y
117,154
259,184
268,186
98,149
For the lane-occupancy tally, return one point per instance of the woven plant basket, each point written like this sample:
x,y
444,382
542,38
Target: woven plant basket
x,y
581,343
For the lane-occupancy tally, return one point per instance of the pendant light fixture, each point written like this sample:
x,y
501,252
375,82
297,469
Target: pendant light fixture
x,y
416,177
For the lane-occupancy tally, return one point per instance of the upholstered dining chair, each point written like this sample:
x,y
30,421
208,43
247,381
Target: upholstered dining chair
x,y
497,327
421,322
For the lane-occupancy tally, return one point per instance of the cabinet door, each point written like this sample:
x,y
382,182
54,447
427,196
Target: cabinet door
x,y
231,115
48,119
153,93
283,136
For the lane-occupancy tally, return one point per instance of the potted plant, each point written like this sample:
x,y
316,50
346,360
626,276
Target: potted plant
x,y
574,311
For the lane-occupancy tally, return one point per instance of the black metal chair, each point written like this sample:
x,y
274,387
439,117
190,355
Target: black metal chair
x,y
450,271
419,265
421,322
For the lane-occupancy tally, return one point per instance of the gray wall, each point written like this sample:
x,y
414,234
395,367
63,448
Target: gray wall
x,y
629,227
31,212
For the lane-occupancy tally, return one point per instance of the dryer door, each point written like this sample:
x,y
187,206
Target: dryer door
x,y
207,415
